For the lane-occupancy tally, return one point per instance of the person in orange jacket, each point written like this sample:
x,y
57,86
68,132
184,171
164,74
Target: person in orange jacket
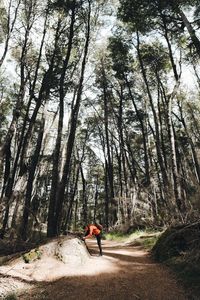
x,y
91,230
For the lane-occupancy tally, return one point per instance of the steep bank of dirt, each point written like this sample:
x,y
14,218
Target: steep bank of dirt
x,y
122,273
179,248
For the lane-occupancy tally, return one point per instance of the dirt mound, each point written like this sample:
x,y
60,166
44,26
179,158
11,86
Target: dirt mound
x,y
179,248
177,241
57,258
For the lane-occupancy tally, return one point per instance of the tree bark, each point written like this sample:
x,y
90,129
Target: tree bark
x,y
72,131
157,133
31,177
190,30
144,134
56,154
10,27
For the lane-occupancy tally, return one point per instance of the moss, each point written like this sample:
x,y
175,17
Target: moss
x,y
32,255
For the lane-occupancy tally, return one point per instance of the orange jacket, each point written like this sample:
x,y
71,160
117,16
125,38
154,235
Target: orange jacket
x,y
92,230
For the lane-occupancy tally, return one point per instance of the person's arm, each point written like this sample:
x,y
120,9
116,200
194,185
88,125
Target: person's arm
x,y
90,233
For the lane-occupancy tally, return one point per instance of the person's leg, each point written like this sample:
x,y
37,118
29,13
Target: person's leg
x,y
98,237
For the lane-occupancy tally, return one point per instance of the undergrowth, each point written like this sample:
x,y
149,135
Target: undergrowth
x,y
144,238
116,236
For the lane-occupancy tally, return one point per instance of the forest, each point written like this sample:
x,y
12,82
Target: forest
x,y
99,115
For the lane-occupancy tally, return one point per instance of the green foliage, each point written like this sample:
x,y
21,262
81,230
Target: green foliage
x,y
155,57
121,59
64,6
146,16
32,255
116,236
140,15
149,242
144,238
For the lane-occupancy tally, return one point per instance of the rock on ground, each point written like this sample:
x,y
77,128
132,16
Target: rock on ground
x,y
58,257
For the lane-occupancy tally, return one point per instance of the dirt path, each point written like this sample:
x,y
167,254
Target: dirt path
x,y
122,273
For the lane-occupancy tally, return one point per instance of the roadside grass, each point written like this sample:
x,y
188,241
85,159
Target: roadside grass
x,y
145,238
116,236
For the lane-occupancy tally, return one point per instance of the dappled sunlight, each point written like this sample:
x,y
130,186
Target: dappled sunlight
x,y
49,268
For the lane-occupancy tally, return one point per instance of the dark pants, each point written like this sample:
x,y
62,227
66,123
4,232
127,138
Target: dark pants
x,y
98,237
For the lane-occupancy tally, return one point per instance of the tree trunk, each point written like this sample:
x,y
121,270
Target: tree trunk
x,y
157,133
96,193
57,150
106,196
107,139
166,35
42,98
194,154
84,197
72,131
190,30
33,166
71,202
175,175
10,27
144,134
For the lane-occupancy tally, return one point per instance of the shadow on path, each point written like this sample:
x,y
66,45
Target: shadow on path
x,y
130,275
